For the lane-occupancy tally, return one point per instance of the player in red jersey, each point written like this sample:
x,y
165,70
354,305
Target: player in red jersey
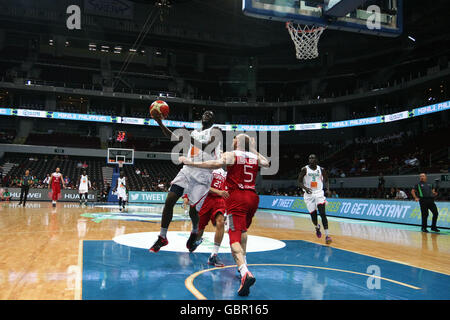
x,y
213,208
56,179
241,205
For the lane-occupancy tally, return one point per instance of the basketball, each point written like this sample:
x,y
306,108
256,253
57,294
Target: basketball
x,y
160,107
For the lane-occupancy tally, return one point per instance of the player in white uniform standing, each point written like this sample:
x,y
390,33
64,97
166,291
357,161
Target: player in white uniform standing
x,y
83,187
121,190
195,182
312,179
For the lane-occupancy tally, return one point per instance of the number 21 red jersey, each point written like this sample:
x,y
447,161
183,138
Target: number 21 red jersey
x,y
242,174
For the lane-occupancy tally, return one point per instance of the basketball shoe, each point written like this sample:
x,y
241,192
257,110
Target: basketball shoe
x,y
215,261
246,282
161,242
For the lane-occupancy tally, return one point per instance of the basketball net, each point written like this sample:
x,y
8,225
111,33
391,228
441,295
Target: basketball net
x,y
306,39
120,163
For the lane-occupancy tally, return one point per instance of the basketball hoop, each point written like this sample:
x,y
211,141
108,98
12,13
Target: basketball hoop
x,y
120,163
306,39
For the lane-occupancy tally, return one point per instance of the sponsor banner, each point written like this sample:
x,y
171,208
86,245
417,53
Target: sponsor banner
x,y
407,212
308,126
5,111
396,116
231,127
110,8
178,124
432,108
244,127
45,195
137,121
148,197
354,122
81,117
31,113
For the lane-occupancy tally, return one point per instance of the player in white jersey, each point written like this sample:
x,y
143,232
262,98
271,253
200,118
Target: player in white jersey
x,y
312,179
83,187
205,144
121,191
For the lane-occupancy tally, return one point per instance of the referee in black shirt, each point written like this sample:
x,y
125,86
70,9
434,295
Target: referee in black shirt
x,y
26,181
425,194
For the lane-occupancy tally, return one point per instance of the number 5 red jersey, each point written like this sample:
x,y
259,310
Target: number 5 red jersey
x,y
242,174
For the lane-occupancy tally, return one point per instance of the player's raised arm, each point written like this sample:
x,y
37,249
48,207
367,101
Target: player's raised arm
x,y
167,132
300,180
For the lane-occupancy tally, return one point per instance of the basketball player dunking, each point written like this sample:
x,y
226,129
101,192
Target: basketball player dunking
x,y
311,179
83,187
194,182
56,179
242,167
213,208
121,190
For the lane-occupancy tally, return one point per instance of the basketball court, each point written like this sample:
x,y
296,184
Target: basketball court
x,y
96,252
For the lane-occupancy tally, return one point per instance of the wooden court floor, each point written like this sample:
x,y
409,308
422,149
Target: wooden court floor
x,y
41,247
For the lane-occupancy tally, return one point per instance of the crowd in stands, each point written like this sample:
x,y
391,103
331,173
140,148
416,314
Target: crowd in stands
x,y
7,136
61,139
398,153
153,183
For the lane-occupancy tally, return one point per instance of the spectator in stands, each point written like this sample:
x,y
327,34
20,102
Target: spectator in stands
x,y
6,195
401,195
16,181
334,172
392,194
1,173
85,165
334,194
66,181
46,180
138,172
79,165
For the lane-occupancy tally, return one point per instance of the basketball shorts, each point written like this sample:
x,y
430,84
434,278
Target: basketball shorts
x,y
210,207
314,199
122,193
195,182
83,190
241,207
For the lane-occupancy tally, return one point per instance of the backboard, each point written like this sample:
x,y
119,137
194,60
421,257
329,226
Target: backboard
x,y
115,155
377,17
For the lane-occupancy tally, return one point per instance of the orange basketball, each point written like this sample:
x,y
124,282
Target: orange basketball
x,y
159,107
